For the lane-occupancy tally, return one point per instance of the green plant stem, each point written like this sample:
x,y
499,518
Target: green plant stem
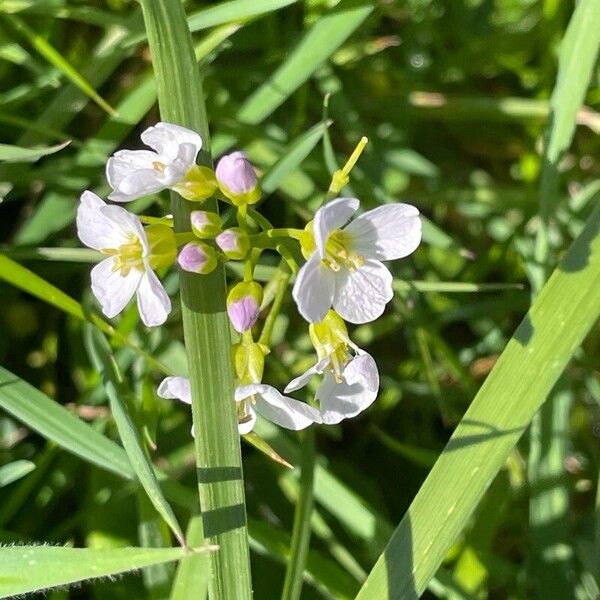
x,y
294,574
205,324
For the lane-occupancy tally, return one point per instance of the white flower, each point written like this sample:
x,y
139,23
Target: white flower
x,y
136,173
114,231
252,399
350,376
344,268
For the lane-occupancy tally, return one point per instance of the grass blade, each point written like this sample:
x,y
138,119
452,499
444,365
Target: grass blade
x,y
319,43
14,471
205,324
17,154
48,566
54,422
117,391
563,313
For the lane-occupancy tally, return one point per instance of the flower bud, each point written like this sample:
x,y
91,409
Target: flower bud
x,y
234,243
237,179
205,224
249,363
162,246
197,257
198,184
243,305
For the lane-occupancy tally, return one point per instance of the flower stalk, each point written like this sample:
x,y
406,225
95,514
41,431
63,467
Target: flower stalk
x,y
205,322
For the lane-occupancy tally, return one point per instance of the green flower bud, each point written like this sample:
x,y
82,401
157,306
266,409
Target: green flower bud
x,y
198,184
205,224
249,363
234,243
197,257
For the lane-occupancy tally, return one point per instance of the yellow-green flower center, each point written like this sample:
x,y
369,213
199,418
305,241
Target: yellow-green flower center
x,y
339,254
127,256
330,339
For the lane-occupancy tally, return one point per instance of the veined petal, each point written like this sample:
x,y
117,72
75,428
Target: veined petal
x,y
361,295
387,232
356,392
281,410
175,388
302,380
153,302
166,139
94,228
313,289
332,216
112,289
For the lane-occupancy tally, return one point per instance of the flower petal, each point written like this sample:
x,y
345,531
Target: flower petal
x,y
112,289
361,295
175,388
281,410
131,174
247,425
153,302
127,223
302,380
313,290
354,394
387,232
166,138
332,216
95,229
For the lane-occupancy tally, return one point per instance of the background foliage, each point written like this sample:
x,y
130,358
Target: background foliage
x,y
455,99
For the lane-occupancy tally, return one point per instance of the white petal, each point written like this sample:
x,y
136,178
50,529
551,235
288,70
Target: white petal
x,y
131,174
302,380
153,301
313,289
361,295
112,289
387,232
354,394
93,228
250,420
332,216
281,410
166,139
127,223
175,388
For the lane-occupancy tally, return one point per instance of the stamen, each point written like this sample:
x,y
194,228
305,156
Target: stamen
x,y
158,166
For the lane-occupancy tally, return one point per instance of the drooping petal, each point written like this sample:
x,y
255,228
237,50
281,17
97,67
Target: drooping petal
x,y
131,174
361,295
281,410
153,301
246,425
356,392
302,380
332,216
387,232
313,289
166,139
112,289
175,388
94,228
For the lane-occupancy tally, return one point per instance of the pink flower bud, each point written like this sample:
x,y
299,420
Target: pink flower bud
x,y
237,179
243,304
234,243
205,224
197,257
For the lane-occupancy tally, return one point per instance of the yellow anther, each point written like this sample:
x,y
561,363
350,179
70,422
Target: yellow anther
x,y
158,166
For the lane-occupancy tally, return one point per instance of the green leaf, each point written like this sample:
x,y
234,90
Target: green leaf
x,y
318,44
14,471
26,569
562,314
117,391
54,422
300,148
17,154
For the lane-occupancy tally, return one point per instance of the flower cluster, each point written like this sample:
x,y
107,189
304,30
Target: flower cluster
x,y
343,278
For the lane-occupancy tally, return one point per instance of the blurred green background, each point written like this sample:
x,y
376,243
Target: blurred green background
x,y
454,98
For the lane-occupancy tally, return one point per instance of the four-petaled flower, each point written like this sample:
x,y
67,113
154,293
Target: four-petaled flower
x,y
350,376
251,399
343,268
133,252
171,164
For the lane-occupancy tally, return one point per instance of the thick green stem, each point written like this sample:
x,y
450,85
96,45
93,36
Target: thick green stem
x,y
205,324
